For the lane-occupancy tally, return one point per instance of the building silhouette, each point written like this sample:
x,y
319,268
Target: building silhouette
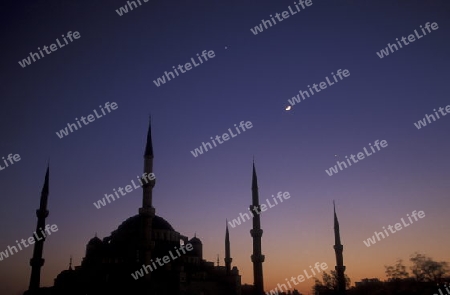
x,y
109,263
140,240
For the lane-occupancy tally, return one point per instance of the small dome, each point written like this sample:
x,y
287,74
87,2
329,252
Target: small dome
x,y
195,240
95,241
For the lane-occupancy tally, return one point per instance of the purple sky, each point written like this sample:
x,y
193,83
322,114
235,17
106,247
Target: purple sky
x,y
118,57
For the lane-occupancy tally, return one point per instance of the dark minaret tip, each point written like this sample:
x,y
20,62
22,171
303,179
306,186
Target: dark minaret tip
x,y
149,146
227,242
254,184
46,185
337,235
45,190
228,258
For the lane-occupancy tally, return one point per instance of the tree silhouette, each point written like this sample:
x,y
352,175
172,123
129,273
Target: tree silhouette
x,y
329,284
426,269
396,272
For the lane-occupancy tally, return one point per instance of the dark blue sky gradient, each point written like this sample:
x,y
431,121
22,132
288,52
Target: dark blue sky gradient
x,y
118,57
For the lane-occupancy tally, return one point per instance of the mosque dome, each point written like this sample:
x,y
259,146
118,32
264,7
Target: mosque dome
x,y
195,241
94,241
130,230
134,224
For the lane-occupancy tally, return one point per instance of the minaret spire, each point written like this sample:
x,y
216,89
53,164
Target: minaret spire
x,y
147,212
70,263
228,258
338,248
255,194
37,261
256,233
337,235
149,145
148,168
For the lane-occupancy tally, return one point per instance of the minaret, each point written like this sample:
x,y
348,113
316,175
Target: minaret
x,y
256,233
37,261
228,258
338,248
147,212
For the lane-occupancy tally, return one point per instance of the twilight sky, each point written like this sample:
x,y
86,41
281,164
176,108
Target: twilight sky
x,y
117,58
